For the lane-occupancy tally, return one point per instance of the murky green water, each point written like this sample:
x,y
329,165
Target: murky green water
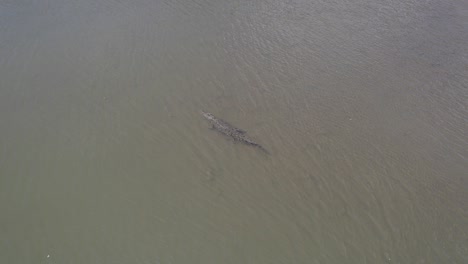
x,y
105,158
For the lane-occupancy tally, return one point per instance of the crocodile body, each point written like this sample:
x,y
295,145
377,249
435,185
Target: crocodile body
x,y
229,130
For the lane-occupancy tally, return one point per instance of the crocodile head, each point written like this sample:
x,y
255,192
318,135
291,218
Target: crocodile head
x,y
207,115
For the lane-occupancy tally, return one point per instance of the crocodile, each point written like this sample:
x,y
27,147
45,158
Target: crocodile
x,y
229,130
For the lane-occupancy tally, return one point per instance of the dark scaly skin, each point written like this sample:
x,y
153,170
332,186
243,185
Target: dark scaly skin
x,y
229,130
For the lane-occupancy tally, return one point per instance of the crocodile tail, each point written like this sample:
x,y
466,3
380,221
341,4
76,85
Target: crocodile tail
x,y
265,150
262,148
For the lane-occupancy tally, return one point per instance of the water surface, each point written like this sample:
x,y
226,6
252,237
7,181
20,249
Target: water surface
x,y
105,158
